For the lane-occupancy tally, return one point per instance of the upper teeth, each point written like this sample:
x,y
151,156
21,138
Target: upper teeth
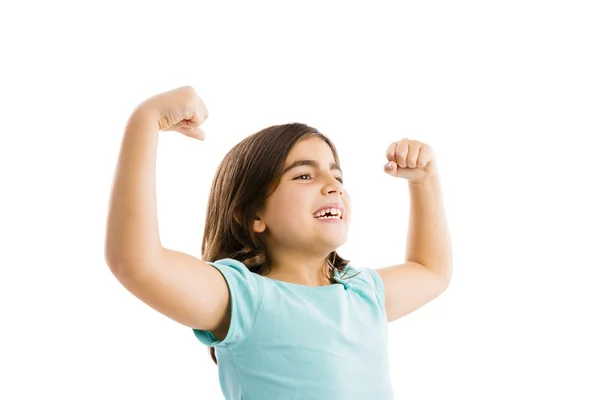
x,y
332,211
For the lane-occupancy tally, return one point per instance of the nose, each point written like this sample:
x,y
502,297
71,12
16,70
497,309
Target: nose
x,y
333,185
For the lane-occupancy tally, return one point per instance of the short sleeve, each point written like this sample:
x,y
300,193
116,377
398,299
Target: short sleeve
x,y
374,280
246,293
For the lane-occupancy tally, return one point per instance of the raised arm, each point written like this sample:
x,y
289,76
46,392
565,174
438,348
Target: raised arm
x,y
427,271
178,285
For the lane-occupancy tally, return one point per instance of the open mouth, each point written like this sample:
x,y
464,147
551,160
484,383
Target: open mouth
x,y
328,213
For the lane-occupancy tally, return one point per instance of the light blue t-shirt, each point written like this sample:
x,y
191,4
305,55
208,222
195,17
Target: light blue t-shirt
x,y
290,341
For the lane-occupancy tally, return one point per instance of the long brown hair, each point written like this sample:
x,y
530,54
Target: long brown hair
x,y
247,176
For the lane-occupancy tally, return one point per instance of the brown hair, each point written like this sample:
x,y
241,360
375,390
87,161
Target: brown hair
x,y
247,176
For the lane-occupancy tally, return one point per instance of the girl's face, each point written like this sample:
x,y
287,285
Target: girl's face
x,y
310,182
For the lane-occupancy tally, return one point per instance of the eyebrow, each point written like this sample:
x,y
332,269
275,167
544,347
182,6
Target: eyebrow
x,y
310,163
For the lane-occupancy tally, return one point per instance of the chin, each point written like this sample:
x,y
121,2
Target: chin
x,y
335,244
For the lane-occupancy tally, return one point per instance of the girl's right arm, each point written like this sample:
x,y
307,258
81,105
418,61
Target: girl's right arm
x,y
178,285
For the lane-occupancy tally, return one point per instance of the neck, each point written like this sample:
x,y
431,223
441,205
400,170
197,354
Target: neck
x,y
308,270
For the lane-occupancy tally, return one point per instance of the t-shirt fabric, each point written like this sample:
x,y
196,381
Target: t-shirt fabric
x,y
290,341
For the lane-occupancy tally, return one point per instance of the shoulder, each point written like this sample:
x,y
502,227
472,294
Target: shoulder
x,y
229,262
245,300
239,278
232,266
366,276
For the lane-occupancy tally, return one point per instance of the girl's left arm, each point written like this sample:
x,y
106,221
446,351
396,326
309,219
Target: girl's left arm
x,y
428,268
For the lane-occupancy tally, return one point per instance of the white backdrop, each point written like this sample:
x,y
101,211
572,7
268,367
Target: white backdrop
x,y
506,93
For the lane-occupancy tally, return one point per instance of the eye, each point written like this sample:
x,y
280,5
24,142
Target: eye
x,y
300,176
340,179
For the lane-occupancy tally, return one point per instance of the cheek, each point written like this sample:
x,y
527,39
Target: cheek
x,y
295,207
288,224
348,203
284,209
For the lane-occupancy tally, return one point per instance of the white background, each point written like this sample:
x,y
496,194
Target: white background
x,y
506,93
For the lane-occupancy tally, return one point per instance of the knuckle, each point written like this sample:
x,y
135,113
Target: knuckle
x,y
188,88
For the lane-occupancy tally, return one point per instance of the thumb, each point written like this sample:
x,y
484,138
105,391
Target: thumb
x,y
390,168
192,131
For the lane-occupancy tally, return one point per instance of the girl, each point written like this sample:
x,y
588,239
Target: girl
x,y
285,316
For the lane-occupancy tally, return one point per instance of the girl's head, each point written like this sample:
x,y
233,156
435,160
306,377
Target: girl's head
x,y
264,196
265,193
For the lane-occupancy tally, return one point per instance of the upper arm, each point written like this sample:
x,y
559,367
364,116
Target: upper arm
x,y
408,287
182,287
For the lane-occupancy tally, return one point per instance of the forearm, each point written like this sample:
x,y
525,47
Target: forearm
x,y
429,241
132,227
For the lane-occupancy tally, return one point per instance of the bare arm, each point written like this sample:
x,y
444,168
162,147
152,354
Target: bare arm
x,y
132,227
178,285
428,268
429,242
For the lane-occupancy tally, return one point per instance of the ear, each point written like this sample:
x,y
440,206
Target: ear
x,y
258,225
237,217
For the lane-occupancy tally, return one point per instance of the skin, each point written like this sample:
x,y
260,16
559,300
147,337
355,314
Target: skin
x,y
193,293
298,243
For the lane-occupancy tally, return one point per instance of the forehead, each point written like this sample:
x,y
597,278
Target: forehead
x,y
311,148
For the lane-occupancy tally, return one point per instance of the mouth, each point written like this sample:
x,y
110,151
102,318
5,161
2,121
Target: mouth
x,y
329,212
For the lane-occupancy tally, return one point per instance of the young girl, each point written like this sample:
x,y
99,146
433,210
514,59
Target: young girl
x,y
286,317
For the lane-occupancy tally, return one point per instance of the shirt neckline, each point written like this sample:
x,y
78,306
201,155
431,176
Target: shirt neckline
x,y
338,281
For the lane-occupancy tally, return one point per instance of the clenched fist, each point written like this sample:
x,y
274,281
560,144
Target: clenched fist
x,y
179,110
411,160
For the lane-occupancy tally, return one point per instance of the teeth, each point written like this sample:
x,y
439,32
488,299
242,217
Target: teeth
x,y
335,213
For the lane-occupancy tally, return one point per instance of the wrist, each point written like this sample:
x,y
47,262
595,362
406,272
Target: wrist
x,y
430,179
142,121
145,118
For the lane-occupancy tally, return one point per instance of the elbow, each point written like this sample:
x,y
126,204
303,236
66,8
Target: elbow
x,y
113,258
114,263
448,276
